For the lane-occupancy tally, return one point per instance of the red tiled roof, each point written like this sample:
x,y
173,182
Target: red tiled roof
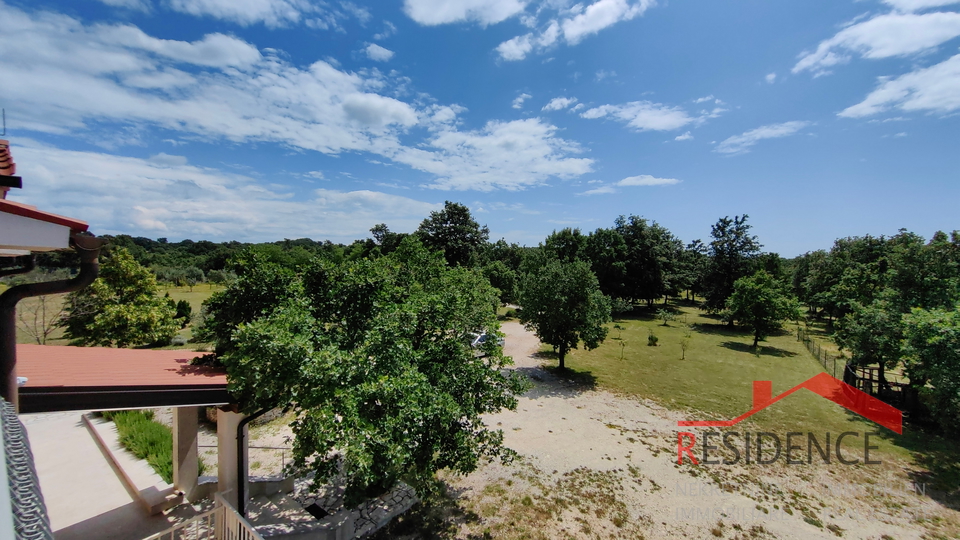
x,y
61,366
26,210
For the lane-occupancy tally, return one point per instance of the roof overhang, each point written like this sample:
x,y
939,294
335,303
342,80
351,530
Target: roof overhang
x,y
82,378
24,229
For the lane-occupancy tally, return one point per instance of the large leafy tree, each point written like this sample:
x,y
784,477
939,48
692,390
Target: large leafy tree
x,y
374,358
563,304
261,285
454,232
120,308
732,252
760,303
931,355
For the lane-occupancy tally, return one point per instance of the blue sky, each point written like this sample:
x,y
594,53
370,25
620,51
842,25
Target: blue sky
x,y
259,120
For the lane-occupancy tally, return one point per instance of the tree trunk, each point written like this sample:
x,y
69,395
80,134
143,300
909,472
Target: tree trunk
x,y
563,352
756,340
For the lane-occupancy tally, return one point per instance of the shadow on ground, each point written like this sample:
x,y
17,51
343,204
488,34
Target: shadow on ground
x,y
762,350
438,517
551,381
937,456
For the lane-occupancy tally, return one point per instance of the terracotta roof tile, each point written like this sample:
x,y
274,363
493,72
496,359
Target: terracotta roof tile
x,y
61,366
7,166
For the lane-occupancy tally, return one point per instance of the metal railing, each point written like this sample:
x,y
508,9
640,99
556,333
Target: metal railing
x,y
283,451
220,523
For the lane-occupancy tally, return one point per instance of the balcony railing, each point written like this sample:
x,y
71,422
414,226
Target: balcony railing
x,y
220,523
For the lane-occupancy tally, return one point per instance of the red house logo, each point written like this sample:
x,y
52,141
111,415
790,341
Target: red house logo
x,y
824,385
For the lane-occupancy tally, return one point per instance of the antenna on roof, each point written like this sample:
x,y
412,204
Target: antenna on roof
x,y
4,123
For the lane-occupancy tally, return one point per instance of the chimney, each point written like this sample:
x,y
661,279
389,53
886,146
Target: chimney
x,y
762,394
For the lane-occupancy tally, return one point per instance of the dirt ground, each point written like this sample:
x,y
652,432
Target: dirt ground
x,y
598,465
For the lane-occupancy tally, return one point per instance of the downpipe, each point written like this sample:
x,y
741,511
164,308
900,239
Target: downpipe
x,y
88,247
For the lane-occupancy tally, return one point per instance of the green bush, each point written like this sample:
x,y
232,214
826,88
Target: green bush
x,y
652,339
146,439
511,314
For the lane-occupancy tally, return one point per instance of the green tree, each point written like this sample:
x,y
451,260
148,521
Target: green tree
x,y
386,390
732,252
454,232
931,356
566,245
503,279
563,304
760,304
120,308
260,286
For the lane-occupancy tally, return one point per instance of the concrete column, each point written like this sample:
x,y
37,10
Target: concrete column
x,y
227,456
185,461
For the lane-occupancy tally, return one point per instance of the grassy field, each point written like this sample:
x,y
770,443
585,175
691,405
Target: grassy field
x,y
715,381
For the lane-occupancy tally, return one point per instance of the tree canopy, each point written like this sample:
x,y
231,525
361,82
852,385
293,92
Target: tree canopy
x,y
454,232
732,252
120,308
760,304
563,304
374,357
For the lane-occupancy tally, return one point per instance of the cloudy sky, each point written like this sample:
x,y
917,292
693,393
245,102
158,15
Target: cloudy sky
x,y
267,119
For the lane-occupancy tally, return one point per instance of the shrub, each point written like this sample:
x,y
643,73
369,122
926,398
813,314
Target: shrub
x,y
652,339
511,314
146,439
178,341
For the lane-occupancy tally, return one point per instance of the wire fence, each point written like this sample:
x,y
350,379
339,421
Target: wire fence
x,y
832,363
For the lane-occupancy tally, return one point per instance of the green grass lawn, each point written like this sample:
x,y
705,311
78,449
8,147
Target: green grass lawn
x,y
715,381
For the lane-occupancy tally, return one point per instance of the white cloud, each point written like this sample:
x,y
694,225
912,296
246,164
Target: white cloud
x,y
933,89
388,30
168,160
918,5
643,115
484,12
603,190
119,74
214,50
518,101
506,155
136,5
559,103
107,85
573,25
685,137
739,144
883,36
516,48
647,180
134,196
378,53
604,74
704,99
771,78
600,15
273,13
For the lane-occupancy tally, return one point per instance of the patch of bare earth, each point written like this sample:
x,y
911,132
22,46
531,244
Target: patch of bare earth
x,y
597,465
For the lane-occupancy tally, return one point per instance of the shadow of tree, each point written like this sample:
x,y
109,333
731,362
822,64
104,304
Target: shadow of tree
x,y
436,517
762,350
937,458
